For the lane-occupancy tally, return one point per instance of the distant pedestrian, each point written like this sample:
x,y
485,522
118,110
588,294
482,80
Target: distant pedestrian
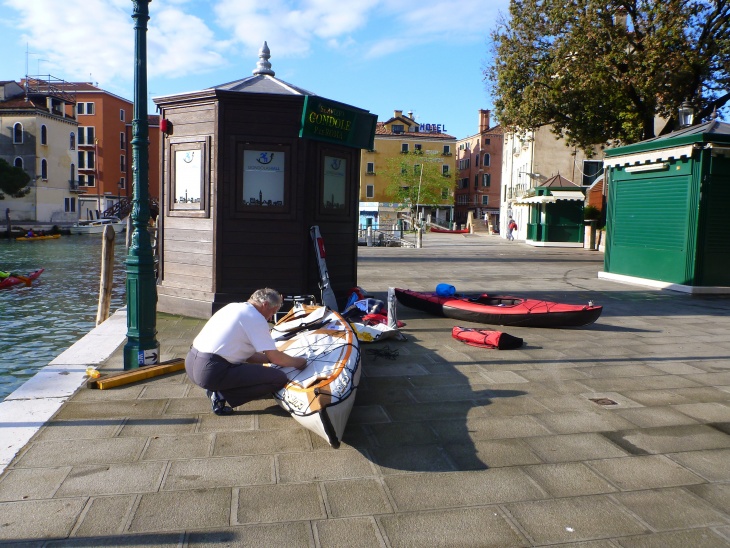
x,y
511,226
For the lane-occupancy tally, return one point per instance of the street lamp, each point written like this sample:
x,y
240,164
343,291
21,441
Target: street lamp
x,y
142,347
686,114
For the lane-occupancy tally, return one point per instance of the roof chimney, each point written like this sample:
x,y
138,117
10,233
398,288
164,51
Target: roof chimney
x,y
397,113
483,120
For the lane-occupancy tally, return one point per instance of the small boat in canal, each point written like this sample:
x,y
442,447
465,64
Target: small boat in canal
x,y
320,396
96,226
500,309
37,238
10,279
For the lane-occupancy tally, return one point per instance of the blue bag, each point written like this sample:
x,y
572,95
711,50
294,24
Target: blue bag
x,y
445,290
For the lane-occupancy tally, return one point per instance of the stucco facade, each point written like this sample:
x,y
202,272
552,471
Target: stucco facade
x,y
531,159
37,133
105,132
479,174
392,137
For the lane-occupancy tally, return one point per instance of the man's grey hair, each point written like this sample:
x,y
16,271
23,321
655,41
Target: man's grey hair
x,y
266,296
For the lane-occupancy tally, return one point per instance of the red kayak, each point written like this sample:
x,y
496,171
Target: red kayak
x,y
447,231
501,309
11,281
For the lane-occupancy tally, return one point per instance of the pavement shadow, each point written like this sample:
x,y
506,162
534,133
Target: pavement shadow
x,y
412,413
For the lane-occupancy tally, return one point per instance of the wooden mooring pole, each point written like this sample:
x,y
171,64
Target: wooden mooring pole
x,y
107,274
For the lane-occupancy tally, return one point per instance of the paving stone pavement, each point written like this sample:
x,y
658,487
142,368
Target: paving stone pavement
x,y
447,445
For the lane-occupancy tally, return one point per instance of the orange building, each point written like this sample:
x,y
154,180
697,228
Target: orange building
x,y
479,174
104,149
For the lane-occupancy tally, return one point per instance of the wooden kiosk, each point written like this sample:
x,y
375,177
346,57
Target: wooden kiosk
x,y
248,167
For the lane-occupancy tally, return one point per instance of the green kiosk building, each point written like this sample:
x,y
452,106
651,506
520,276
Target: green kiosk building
x,y
667,222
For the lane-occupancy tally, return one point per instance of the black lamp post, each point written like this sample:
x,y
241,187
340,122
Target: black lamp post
x,y
142,347
686,114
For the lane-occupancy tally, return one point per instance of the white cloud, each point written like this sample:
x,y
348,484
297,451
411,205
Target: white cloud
x,y
180,43
94,39
289,27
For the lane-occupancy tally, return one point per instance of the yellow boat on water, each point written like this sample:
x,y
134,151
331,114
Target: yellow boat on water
x,y
33,238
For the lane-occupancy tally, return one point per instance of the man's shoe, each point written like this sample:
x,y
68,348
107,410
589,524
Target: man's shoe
x,y
218,403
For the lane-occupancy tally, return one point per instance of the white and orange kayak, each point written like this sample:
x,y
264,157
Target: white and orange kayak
x,y
320,396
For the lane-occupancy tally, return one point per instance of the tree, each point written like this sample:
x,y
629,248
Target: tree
x,y
600,71
13,180
417,178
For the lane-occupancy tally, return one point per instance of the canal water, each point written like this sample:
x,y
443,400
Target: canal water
x,y
39,322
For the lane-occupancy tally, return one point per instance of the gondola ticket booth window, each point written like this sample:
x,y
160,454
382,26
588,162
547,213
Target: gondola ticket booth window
x,y
334,187
189,179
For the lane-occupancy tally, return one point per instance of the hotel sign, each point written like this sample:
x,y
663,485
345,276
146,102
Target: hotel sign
x,y
333,122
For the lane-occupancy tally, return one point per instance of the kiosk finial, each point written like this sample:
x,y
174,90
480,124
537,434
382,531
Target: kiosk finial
x,y
263,66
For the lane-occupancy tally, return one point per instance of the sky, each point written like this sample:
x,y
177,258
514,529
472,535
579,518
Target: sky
x,y
422,56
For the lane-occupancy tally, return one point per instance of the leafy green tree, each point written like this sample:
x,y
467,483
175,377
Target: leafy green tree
x,y
600,71
417,178
13,180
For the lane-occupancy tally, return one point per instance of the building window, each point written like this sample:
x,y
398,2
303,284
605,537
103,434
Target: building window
x,y
18,134
476,163
72,141
487,159
370,191
44,169
404,147
121,114
592,170
397,128
86,159
417,147
122,163
445,169
69,205
487,141
417,169
122,183
476,181
370,169
18,162
123,140
86,135
44,134
486,179
72,176
447,149
87,180
485,199
84,108
444,193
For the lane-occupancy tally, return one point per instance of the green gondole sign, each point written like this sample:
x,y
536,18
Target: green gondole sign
x,y
336,123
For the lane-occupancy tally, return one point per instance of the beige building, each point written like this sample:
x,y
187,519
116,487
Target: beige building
x,y
39,135
402,134
531,159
